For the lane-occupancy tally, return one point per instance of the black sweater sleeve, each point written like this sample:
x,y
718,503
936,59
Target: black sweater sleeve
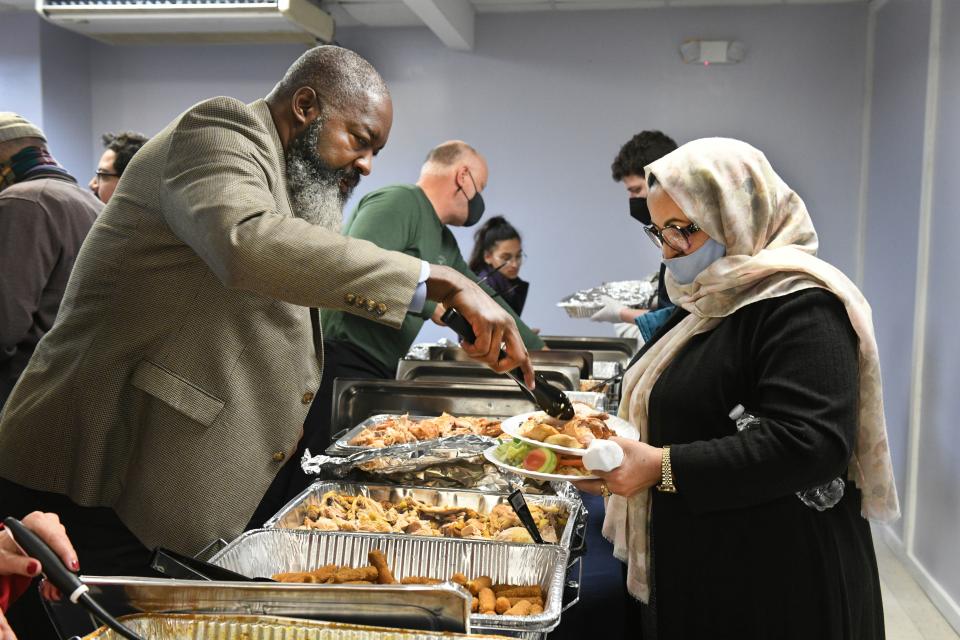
x,y
803,357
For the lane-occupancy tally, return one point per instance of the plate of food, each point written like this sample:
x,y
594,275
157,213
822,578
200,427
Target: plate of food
x,y
538,462
570,437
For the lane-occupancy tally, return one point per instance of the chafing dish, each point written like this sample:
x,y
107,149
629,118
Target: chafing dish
x,y
238,627
268,551
583,360
564,376
603,348
293,514
442,607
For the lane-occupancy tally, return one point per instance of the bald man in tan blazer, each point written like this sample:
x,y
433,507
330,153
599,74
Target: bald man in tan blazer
x,y
175,382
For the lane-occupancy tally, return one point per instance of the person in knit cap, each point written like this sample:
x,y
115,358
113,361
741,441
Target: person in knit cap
x,y
44,217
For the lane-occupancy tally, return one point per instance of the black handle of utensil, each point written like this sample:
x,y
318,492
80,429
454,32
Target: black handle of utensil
x,y
62,578
519,505
175,565
549,398
459,324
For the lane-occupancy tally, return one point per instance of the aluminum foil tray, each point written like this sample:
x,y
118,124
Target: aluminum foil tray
x,y
605,369
444,607
586,302
235,627
268,551
342,445
292,515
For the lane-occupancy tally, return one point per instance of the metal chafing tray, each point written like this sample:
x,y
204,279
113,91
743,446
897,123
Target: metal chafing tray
x,y
564,376
238,627
357,400
583,360
268,551
443,607
429,405
602,348
292,515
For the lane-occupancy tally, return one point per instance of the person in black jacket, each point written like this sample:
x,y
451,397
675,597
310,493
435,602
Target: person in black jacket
x,y
496,259
757,527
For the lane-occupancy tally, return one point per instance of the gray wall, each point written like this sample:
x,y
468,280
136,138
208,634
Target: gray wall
x,y
67,100
938,499
550,98
20,81
45,76
927,477
893,203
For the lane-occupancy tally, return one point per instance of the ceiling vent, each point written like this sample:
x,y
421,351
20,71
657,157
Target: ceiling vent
x,y
208,21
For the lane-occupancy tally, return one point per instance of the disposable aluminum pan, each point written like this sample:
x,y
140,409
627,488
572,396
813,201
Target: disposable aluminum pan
x,y
269,551
586,302
293,514
235,627
444,607
342,445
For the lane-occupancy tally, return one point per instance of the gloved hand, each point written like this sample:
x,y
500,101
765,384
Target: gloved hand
x,y
610,312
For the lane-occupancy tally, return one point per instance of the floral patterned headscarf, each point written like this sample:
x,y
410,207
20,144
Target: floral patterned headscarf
x,y
729,190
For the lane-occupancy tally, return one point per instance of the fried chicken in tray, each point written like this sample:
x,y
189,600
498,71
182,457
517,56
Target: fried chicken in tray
x,y
586,425
341,512
403,429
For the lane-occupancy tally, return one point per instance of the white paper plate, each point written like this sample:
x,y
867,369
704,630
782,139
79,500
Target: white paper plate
x,y
620,427
520,471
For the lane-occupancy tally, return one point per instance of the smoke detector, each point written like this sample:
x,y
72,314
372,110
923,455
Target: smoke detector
x,y
708,52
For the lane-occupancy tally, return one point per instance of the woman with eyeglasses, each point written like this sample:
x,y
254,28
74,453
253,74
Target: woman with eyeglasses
x,y
742,511
496,259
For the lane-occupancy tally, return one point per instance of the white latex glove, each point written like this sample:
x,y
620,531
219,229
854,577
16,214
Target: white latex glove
x,y
610,312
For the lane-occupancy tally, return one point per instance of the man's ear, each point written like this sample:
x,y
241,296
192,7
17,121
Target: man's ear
x,y
306,106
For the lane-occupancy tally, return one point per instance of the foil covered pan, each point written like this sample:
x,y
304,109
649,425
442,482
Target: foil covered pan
x,y
342,446
293,514
398,458
586,302
268,551
238,627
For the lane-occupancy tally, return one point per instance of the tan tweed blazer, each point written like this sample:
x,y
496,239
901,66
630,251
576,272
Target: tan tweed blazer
x,y
181,367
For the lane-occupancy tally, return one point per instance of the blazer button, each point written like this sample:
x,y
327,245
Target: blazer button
x,y
361,301
371,305
307,397
279,456
381,309
350,298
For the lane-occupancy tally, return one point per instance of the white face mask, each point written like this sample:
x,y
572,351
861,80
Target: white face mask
x,y
686,268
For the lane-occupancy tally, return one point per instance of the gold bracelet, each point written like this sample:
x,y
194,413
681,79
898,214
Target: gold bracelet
x,y
666,472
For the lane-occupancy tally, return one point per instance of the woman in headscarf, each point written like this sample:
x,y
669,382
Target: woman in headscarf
x,y
709,518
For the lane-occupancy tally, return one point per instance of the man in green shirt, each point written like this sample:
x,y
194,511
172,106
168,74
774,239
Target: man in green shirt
x,y
412,219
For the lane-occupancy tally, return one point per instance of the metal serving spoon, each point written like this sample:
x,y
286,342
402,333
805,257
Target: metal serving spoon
x,y
552,400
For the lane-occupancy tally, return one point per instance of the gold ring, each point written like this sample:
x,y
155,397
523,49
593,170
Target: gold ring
x,y
605,490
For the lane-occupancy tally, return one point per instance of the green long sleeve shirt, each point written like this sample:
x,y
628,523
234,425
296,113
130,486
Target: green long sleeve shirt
x,y
400,217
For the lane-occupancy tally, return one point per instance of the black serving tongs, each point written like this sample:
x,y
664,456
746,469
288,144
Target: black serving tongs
x,y
63,579
552,400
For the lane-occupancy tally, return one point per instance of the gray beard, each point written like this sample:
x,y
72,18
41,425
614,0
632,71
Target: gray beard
x,y
313,187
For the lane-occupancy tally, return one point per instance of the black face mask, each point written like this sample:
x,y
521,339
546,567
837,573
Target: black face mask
x,y
475,205
639,211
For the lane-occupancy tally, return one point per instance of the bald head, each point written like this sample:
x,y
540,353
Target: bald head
x,y
449,156
339,77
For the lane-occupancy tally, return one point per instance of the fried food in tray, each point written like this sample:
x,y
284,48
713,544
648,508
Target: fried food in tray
x,y
586,425
343,512
403,429
489,598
